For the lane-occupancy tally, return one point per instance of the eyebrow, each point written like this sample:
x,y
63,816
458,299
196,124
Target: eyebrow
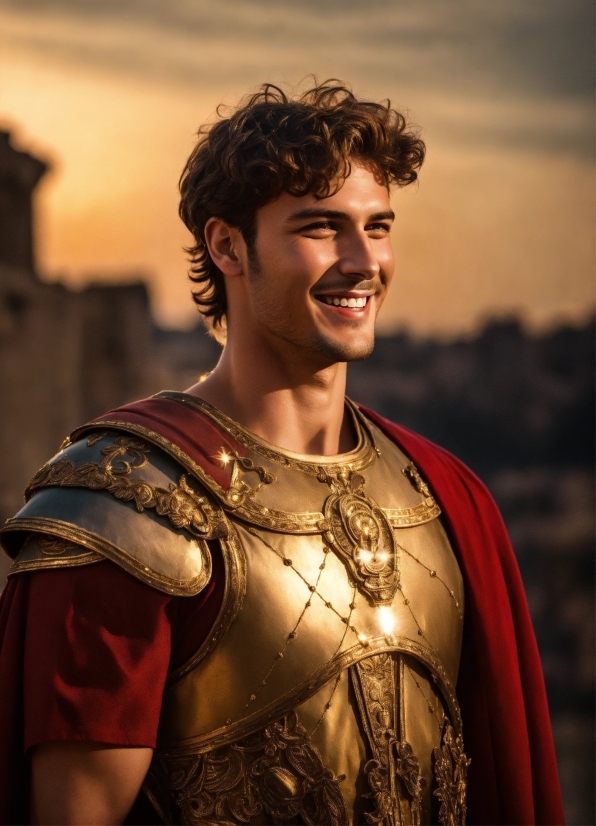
x,y
318,212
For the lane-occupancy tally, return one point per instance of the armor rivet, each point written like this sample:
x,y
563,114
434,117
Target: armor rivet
x,y
279,655
312,588
253,697
406,601
263,682
287,562
228,721
292,635
352,605
419,632
433,573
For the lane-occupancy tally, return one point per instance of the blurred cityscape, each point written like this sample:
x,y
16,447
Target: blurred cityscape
x,y
517,408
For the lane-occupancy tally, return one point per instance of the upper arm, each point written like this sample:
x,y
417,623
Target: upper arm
x,y
85,783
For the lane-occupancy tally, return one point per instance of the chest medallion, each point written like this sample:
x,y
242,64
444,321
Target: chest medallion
x,y
361,536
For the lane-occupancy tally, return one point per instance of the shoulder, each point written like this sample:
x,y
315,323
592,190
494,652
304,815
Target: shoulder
x,y
113,494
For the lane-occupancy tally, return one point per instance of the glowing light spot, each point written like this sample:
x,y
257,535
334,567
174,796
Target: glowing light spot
x,y
383,556
365,556
224,457
386,620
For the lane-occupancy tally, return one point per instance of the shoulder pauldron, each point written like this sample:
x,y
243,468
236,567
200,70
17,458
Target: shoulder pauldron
x,y
113,495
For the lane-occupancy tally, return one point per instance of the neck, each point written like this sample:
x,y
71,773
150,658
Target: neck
x,y
280,397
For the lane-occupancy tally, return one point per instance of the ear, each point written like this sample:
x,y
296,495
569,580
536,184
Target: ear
x,y
226,247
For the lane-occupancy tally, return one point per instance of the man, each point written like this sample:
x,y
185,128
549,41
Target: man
x,y
252,599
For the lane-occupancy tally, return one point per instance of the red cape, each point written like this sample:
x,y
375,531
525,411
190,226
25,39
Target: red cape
x,y
513,776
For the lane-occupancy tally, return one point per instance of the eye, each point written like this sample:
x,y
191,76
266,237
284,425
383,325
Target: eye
x,y
379,227
318,228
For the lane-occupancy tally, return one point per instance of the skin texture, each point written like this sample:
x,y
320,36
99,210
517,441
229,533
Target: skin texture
x,y
282,372
85,783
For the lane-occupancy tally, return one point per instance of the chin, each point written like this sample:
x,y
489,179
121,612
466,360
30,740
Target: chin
x,y
336,350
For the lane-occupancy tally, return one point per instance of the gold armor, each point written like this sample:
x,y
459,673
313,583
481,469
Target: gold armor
x,y
325,691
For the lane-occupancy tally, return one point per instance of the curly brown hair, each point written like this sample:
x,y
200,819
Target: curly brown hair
x,y
272,143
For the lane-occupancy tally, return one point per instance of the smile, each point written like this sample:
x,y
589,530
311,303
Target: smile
x,y
352,303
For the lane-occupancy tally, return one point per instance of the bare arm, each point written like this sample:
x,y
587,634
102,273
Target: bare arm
x,y
85,783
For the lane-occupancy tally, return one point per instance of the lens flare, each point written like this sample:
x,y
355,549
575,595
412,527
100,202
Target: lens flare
x,y
386,620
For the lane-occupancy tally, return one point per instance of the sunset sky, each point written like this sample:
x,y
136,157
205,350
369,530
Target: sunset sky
x,y
111,92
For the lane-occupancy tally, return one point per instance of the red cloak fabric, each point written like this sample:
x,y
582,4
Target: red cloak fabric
x,y
513,776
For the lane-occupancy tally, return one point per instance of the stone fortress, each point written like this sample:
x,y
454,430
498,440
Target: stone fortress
x,y
67,356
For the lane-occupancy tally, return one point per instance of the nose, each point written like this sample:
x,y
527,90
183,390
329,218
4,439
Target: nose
x,y
357,258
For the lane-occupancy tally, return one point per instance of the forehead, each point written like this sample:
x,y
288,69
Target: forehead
x,y
360,195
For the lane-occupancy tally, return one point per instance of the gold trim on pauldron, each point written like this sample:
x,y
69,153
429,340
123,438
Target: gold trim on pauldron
x,y
103,549
234,592
56,552
184,507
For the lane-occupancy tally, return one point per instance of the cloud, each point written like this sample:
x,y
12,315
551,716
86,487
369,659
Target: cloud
x,y
531,59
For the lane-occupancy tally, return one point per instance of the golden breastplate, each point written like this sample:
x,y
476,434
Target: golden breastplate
x,y
325,693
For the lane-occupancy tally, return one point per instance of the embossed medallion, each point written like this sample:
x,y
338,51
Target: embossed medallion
x,y
360,534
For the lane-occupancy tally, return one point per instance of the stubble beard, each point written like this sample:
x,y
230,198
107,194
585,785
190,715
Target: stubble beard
x,y
320,347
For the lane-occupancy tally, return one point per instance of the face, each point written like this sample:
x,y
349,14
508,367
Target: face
x,y
321,269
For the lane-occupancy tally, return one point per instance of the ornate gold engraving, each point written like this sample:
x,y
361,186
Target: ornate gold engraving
x,y
45,551
239,491
301,522
183,506
361,536
56,546
451,769
274,775
411,473
393,774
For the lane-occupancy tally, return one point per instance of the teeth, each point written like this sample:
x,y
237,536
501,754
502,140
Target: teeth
x,y
352,303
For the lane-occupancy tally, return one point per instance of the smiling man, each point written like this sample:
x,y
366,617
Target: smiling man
x,y
257,601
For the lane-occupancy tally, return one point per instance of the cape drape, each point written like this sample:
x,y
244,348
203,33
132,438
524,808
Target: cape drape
x,y
513,776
